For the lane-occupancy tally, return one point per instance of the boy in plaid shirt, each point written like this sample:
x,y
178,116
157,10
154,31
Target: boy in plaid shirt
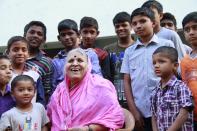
x,y
171,102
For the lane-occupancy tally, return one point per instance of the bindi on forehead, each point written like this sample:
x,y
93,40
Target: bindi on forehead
x,y
75,56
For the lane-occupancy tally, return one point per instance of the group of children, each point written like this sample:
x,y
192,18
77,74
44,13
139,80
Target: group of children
x,y
143,70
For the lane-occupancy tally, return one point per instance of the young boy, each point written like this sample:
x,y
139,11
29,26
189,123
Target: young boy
x,y
162,32
25,116
68,36
35,34
122,25
168,21
17,51
171,103
189,62
6,100
89,32
139,78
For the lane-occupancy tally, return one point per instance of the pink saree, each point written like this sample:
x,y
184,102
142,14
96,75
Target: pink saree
x,y
92,101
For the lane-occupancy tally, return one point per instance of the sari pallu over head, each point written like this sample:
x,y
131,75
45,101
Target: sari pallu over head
x,y
92,101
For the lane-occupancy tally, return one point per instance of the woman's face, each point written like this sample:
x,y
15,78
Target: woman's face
x,y
76,66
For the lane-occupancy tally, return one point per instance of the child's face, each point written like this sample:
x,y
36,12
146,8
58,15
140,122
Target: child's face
x,y
142,26
35,36
123,29
190,32
89,35
18,52
5,71
163,66
23,92
68,38
168,24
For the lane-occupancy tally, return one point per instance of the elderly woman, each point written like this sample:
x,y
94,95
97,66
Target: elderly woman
x,y
84,101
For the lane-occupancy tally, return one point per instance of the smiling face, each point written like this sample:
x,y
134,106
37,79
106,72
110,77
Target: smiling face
x,y
89,35
18,52
123,29
35,36
68,38
76,66
23,92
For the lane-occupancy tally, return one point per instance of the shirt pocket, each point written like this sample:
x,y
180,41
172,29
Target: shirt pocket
x,y
169,104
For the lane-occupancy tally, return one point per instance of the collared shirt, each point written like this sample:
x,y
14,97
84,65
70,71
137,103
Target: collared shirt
x,y
6,101
59,64
137,62
43,66
166,104
175,38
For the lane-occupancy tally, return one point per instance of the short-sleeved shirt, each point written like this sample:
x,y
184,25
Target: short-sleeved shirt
x,y
6,101
60,60
43,65
137,62
18,120
116,57
166,104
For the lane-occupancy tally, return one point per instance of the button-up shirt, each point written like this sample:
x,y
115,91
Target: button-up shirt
x,y
137,62
166,104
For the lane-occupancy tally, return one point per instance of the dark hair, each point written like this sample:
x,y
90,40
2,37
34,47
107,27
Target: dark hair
x,y
4,57
35,23
15,39
169,16
88,22
21,78
121,17
169,52
189,17
153,4
143,12
67,24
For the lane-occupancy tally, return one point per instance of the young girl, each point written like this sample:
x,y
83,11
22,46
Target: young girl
x,y
25,116
17,50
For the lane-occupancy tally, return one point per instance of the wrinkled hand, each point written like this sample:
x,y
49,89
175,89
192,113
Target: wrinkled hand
x,y
139,122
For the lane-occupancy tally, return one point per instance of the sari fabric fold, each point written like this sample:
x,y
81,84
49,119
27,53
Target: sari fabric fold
x,y
92,101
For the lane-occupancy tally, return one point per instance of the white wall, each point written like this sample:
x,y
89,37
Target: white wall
x,y
15,14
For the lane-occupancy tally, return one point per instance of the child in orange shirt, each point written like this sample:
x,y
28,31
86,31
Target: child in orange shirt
x,y
189,62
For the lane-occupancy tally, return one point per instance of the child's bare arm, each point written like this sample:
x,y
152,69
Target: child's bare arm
x,y
154,123
181,118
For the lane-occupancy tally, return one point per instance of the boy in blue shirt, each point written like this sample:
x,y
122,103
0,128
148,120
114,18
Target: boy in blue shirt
x,y
139,77
162,32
